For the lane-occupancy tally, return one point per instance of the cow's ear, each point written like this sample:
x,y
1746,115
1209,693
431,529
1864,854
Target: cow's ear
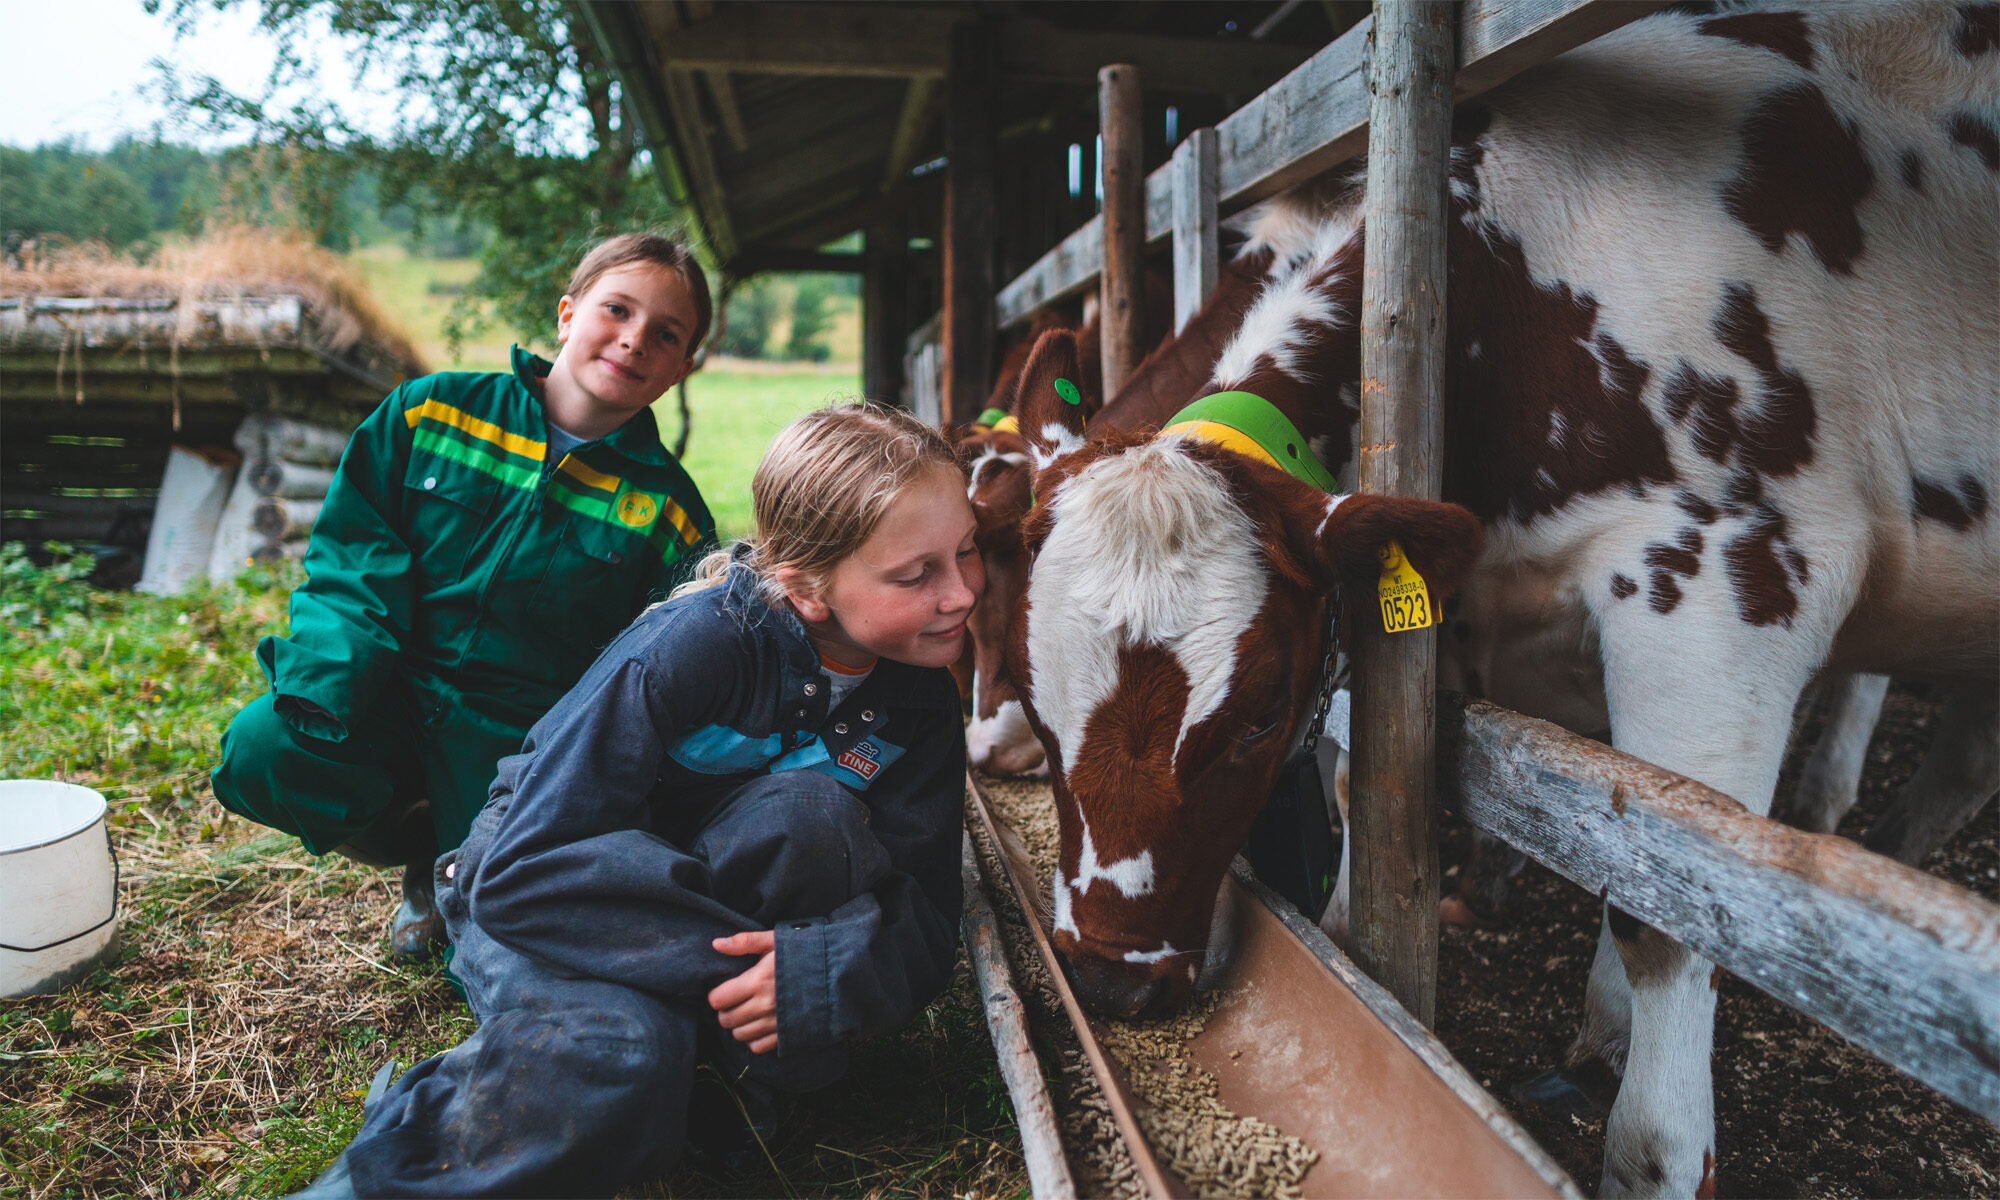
x,y
1049,401
1344,536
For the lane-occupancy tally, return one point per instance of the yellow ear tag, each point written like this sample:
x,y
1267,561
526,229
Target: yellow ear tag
x,y
1406,602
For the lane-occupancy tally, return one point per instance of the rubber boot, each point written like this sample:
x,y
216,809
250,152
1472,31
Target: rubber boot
x,y
418,934
335,1183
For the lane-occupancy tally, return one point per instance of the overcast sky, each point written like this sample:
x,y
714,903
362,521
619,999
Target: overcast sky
x,y
77,68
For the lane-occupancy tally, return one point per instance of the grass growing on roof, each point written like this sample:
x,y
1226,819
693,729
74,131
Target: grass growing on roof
x,y
226,1051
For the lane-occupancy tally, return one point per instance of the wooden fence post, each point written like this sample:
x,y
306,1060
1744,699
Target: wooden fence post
x,y
1122,304
969,223
885,320
1196,235
1395,857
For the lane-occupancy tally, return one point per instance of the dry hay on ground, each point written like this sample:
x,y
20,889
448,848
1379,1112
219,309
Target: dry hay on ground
x,y
235,262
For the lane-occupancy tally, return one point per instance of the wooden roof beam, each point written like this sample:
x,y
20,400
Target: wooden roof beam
x,y
920,108
910,42
721,90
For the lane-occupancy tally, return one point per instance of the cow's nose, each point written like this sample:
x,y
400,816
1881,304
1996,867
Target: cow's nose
x,y
1112,989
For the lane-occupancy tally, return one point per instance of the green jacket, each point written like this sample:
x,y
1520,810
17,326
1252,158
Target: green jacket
x,y
451,553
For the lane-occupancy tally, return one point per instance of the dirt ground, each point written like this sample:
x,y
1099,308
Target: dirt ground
x,y
1799,1111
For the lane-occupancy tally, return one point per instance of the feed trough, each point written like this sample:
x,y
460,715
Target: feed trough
x,y
1304,1061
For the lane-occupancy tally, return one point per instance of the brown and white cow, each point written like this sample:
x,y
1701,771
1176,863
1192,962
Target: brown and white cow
x,y
1722,383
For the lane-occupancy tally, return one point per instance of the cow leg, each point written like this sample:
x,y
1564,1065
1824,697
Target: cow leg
x,y
1333,778
1713,700
1960,773
1587,1082
1832,776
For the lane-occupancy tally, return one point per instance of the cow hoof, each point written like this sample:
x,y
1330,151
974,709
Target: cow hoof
x,y
1586,1090
1453,910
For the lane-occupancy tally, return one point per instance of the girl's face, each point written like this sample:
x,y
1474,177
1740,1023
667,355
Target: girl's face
x,y
904,595
624,341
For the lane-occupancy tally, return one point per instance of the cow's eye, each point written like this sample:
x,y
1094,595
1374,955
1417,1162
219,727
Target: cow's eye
x,y
1251,735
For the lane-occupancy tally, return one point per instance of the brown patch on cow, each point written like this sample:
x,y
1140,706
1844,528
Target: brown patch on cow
x,y
1778,439
1913,170
1779,32
1764,585
1709,403
1715,978
1682,558
1647,953
1959,508
1623,588
1543,361
1705,1190
1666,593
1978,29
1696,507
1971,129
1803,172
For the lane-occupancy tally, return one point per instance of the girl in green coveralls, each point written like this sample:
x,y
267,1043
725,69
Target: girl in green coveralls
x,y
484,536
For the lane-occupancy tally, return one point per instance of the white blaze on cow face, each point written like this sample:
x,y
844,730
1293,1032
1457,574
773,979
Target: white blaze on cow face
x,y
989,455
1133,877
1166,950
1060,441
1147,547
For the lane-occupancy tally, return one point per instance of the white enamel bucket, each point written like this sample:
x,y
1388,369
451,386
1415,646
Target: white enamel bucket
x,y
58,885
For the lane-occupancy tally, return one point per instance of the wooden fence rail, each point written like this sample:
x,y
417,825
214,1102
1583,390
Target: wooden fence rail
x,y
1903,964
1317,117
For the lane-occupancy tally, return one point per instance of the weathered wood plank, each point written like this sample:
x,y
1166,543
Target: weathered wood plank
x,y
1120,109
1898,962
1049,1176
1390,818
1316,118
697,156
1197,232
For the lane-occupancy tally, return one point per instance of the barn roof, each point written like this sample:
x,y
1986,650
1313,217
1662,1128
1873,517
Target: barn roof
x,y
784,126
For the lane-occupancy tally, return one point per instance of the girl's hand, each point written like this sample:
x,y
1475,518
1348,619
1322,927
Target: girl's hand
x,y
748,1004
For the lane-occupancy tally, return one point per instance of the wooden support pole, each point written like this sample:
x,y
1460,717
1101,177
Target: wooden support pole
x,y
885,319
1122,301
969,223
1395,857
1197,250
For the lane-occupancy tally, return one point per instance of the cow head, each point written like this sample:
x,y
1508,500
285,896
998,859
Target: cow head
x,y
1167,653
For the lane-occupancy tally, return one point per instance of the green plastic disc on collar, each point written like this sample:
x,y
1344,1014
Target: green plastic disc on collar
x,y
1259,420
991,417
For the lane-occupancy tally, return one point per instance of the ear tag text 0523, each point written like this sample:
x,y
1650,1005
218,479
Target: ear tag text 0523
x,y
1068,392
1406,602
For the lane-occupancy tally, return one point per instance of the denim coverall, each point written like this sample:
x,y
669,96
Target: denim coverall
x,y
691,786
